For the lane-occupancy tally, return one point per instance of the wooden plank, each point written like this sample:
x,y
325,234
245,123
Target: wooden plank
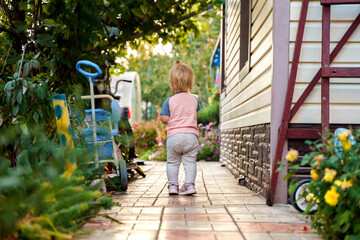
x,y
247,94
264,15
257,9
264,47
301,133
311,53
344,72
253,104
311,114
339,94
258,70
259,117
325,62
313,32
333,2
307,71
314,13
265,30
333,55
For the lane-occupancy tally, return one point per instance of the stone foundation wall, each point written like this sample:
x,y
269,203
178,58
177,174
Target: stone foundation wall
x,y
246,153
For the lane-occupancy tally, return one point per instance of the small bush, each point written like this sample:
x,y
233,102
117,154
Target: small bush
x,y
145,133
209,114
209,143
335,184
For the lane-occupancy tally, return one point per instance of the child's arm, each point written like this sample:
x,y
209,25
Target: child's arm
x,y
164,119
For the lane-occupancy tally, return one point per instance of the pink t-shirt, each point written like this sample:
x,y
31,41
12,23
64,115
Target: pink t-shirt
x,y
182,109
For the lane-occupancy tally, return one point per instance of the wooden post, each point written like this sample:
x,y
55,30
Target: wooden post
x,y
325,63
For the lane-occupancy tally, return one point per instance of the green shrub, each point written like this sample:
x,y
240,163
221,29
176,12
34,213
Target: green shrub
x,y
210,113
335,184
39,199
145,133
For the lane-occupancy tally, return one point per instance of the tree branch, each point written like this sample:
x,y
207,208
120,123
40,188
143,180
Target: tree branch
x,y
169,24
6,10
13,33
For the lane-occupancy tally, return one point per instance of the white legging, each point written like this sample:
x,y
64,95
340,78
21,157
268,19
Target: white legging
x,y
181,147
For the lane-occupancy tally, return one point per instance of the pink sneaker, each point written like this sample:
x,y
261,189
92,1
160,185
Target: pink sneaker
x,y
173,189
187,189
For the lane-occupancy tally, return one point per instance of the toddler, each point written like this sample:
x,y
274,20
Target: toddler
x,y
180,113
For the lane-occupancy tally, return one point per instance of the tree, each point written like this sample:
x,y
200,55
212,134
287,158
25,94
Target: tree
x,y
196,51
67,31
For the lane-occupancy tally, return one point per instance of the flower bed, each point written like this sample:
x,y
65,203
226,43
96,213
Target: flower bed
x,y
334,187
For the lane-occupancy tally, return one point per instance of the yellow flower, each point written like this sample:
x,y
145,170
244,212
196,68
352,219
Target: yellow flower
x,y
329,174
338,183
346,184
346,144
314,174
292,155
311,198
318,159
331,196
343,135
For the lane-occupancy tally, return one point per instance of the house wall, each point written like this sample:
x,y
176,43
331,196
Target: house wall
x,y
245,106
344,92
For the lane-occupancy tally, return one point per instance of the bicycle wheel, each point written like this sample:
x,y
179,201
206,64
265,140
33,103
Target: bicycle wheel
x,y
298,200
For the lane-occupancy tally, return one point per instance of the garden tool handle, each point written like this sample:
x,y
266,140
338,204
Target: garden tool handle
x,y
87,74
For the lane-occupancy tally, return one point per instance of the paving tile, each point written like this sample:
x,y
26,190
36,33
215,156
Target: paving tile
x,y
196,217
227,227
173,217
259,236
142,235
186,235
221,209
243,217
228,236
208,215
147,225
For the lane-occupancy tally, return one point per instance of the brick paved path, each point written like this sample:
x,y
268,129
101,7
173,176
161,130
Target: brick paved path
x,y
222,209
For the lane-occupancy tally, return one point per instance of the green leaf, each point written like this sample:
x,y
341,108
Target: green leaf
x,y
36,116
26,69
16,110
40,92
352,237
40,113
289,175
143,8
295,167
23,5
36,56
50,23
137,12
9,86
19,97
281,167
45,39
292,188
20,26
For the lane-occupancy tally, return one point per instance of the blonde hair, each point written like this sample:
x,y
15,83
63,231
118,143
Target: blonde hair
x,y
181,77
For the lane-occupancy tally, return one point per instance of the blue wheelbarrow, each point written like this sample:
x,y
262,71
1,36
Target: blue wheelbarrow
x,y
100,132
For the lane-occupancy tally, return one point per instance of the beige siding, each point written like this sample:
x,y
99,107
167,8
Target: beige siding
x,y
344,92
247,101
